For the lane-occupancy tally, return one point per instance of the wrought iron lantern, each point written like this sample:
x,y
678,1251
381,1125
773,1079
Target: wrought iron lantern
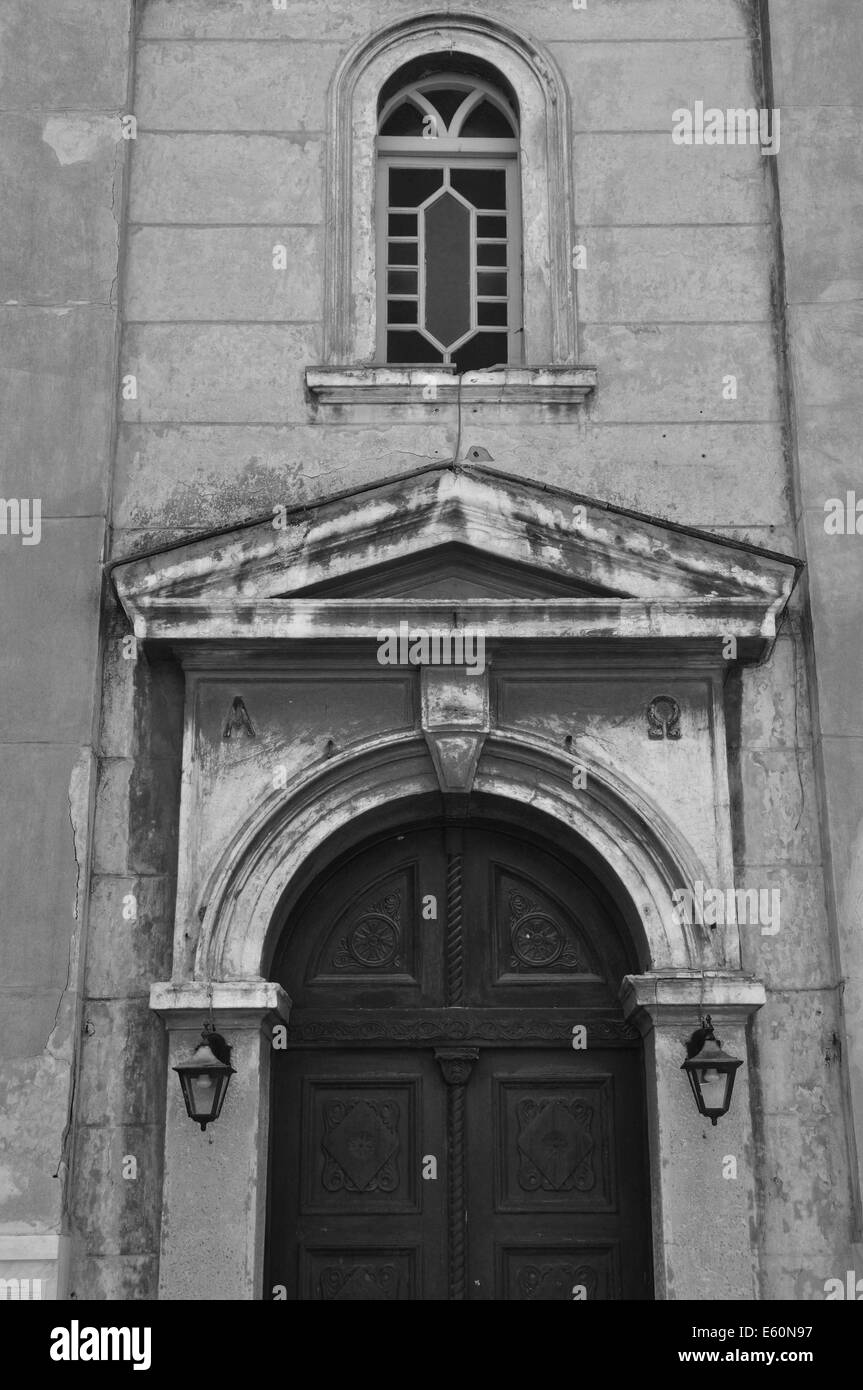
x,y
711,1072
205,1075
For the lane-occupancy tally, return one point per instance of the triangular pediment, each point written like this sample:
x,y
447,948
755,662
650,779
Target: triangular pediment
x,y
453,571
469,536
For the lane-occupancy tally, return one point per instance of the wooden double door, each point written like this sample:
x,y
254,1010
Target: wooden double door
x,y
459,1111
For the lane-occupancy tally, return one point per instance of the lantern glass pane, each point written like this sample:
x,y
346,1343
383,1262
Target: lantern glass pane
x,y
713,1086
205,1094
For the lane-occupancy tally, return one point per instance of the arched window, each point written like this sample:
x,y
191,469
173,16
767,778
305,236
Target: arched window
x,y
448,222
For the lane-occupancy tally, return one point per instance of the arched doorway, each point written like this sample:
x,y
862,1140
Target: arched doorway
x,y
441,1129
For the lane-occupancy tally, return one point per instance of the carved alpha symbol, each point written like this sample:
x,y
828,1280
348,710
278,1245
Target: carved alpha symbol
x,y
238,721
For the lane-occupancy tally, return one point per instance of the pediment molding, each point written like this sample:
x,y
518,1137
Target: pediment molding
x,y
559,566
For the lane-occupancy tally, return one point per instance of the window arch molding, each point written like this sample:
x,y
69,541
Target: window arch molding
x,y
546,180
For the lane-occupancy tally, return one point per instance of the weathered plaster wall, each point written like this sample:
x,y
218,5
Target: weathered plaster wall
x,y
64,76
817,58
120,1102
680,289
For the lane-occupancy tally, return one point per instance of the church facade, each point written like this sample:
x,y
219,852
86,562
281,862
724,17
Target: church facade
x,y
433,603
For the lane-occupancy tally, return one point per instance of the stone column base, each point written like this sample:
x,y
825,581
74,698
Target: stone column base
x,y
702,1176
215,1186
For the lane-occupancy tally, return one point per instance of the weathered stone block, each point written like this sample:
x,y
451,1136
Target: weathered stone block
x,y
827,348
663,371
225,178
775,704
818,63
641,178
798,955
350,19
64,53
56,381
51,606
40,872
218,372
115,1278
113,1085
670,274
835,581
230,473
125,954
233,87
779,819
613,88
828,452
698,475
223,273
59,237
823,253
111,817
114,1215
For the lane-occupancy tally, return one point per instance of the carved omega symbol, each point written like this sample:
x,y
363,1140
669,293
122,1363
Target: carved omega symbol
x,y
663,717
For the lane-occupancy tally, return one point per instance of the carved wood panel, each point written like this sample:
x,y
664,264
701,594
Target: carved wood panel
x,y
538,1177
369,1275
559,1274
555,1144
360,1146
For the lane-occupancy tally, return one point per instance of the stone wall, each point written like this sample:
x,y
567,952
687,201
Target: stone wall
x,y
690,252
65,78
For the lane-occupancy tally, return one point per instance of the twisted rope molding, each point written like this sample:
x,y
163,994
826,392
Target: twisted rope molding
x,y
454,932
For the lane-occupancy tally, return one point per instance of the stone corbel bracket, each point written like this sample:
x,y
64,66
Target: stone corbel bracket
x,y
455,722
231,1003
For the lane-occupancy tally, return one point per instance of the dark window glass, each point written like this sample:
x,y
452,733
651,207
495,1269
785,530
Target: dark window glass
x,y
403,253
446,100
487,120
403,282
407,119
410,187
402,311
485,188
482,350
490,255
491,313
490,282
447,306
403,224
411,348
491,226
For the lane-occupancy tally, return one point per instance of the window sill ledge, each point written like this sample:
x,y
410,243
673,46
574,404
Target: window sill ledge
x,y
383,385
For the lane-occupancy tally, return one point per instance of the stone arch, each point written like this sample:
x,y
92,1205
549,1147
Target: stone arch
x,y
641,855
546,163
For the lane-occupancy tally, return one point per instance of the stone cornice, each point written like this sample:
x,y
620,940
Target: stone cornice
x,y
382,385
682,998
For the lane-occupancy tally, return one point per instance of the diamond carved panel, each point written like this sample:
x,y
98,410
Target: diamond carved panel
x,y
360,1146
555,1147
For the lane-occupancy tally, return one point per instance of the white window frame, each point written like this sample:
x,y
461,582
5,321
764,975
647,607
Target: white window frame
x,y
453,159
530,72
